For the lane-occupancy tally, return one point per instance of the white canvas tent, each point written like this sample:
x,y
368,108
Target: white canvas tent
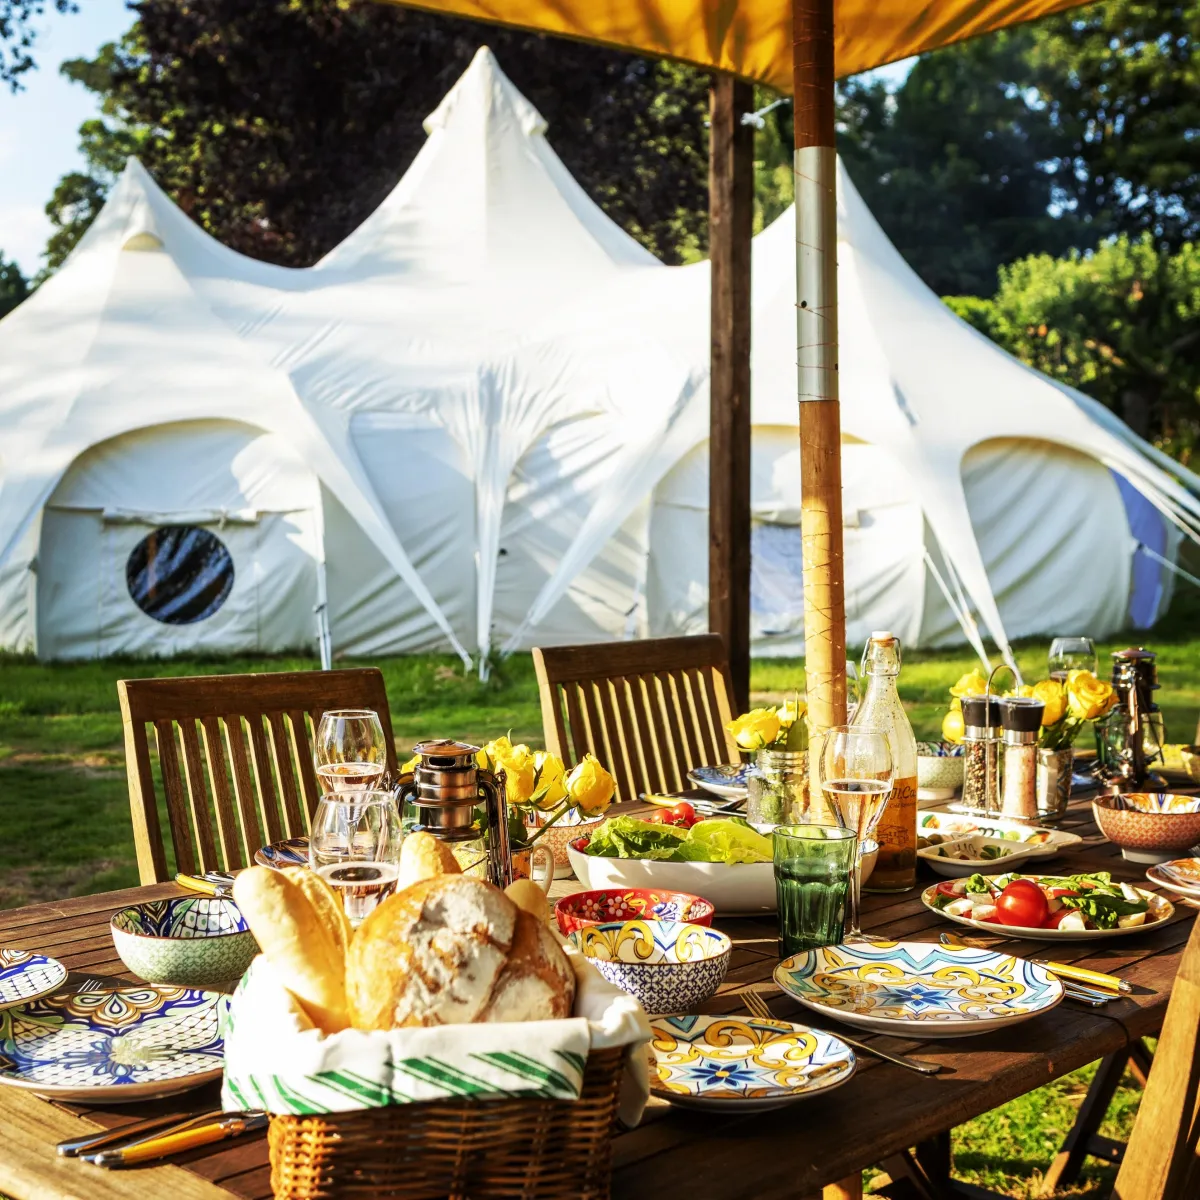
x,y
482,419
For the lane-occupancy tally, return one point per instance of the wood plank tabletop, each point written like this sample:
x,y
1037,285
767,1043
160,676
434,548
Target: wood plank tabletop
x,y
882,1110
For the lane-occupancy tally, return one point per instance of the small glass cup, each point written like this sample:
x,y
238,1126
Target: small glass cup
x,y
354,845
814,870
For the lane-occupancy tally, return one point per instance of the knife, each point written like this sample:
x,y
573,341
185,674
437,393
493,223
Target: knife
x,y
1083,975
97,1141
205,886
184,1137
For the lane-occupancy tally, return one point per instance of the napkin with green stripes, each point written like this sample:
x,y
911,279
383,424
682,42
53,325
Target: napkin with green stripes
x,y
276,1060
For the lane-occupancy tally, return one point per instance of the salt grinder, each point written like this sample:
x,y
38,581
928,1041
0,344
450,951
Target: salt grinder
x,y
448,784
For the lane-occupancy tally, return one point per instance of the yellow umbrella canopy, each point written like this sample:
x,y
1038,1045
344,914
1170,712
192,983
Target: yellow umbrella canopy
x,y
753,38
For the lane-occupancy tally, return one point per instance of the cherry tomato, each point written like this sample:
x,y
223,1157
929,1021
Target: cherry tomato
x,y
683,813
652,818
1023,903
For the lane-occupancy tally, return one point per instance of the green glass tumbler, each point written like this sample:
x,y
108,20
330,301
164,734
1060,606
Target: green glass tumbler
x,y
814,868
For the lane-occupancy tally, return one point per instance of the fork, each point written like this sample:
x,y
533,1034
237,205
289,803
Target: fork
x,y
758,1007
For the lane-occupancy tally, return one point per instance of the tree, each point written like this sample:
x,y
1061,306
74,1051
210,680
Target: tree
x,y
278,126
14,287
954,164
1121,323
1121,84
17,36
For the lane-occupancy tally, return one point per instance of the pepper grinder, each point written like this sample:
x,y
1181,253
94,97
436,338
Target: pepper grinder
x,y
981,754
1021,718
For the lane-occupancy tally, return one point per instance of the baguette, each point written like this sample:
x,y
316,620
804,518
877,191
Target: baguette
x,y
299,943
329,909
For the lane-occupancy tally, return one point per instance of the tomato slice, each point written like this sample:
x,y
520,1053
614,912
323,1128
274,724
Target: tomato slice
x,y
946,888
1055,919
1023,903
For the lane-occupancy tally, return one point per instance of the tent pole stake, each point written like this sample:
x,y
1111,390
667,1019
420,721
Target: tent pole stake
x,y
815,168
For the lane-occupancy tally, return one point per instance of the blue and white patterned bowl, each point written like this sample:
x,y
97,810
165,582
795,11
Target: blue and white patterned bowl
x,y
192,941
670,966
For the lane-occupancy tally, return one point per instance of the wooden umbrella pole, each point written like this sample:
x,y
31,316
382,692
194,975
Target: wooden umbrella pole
x,y
817,351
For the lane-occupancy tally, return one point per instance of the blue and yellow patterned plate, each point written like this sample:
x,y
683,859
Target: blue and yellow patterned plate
x,y
727,781
743,1063
919,989
115,1045
26,976
291,852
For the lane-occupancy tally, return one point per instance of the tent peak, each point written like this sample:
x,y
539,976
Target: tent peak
x,y
483,88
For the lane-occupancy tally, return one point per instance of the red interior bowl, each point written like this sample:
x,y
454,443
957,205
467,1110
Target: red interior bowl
x,y
630,904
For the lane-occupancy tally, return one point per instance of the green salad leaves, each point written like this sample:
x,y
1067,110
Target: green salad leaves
x,y
724,841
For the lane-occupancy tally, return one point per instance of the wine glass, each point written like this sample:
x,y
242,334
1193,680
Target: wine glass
x,y
855,771
354,845
350,750
1069,654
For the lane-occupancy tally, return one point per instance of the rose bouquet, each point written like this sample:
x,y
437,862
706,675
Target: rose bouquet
x,y
782,728
777,789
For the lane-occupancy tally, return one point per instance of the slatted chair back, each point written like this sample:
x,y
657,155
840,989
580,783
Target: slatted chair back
x,y
1162,1160
650,711
234,754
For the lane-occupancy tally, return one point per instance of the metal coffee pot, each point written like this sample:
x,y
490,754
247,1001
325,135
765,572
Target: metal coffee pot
x,y
446,787
1131,737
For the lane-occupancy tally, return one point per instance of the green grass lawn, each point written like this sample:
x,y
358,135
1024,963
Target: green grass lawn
x,y
66,807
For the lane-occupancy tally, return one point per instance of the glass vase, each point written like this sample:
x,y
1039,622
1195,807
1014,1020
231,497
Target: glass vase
x,y
778,790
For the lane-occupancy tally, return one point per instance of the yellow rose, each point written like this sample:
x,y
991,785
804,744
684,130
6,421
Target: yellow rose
x,y
973,683
518,766
1087,696
410,766
1054,696
549,780
590,787
791,711
952,726
755,729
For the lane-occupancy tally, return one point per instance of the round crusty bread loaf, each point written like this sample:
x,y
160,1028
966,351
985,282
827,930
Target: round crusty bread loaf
x,y
422,856
526,894
537,984
453,950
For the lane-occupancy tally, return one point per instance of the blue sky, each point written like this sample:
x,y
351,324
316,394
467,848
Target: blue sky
x,y
39,127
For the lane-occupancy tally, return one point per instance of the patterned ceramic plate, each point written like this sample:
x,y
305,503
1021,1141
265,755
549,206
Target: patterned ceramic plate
x,y
291,852
743,1063
728,782
1160,910
125,1044
1181,875
919,989
26,976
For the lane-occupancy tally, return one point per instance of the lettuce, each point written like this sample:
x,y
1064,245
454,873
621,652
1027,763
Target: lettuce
x,y
722,841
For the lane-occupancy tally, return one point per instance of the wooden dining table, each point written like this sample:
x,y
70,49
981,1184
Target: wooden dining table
x,y
795,1151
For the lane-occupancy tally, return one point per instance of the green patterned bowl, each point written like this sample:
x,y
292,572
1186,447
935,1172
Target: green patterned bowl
x,y
192,941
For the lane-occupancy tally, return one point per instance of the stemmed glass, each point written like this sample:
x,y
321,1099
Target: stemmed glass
x,y
855,771
354,845
1069,654
350,750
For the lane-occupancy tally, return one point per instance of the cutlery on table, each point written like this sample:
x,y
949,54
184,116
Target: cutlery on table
x,y
758,1006
108,1137
1065,971
206,885
199,1131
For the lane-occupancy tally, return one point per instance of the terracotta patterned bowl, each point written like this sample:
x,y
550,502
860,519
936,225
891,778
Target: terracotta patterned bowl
x,y
192,941
1148,826
670,966
628,904
563,832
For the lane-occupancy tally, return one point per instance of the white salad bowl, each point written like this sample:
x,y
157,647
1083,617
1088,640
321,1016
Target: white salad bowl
x,y
735,889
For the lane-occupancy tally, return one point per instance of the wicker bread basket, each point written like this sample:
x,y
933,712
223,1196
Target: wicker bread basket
x,y
465,1149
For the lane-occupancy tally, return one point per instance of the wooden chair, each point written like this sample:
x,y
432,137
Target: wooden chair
x,y
246,764
649,711
1162,1159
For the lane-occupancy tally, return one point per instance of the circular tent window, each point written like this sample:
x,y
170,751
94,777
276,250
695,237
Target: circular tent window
x,y
179,574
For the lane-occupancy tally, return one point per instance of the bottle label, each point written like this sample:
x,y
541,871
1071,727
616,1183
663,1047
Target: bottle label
x,y
896,833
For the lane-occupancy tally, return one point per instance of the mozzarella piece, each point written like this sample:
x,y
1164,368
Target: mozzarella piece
x,y
1073,920
983,911
959,887
1054,903
1131,920
1131,893
960,908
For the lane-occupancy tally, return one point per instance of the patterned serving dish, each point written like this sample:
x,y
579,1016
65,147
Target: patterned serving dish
x,y
730,781
112,1046
611,905
25,976
192,941
670,966
1150,827
900,987
1181,875
743,1064
939,765
291,852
